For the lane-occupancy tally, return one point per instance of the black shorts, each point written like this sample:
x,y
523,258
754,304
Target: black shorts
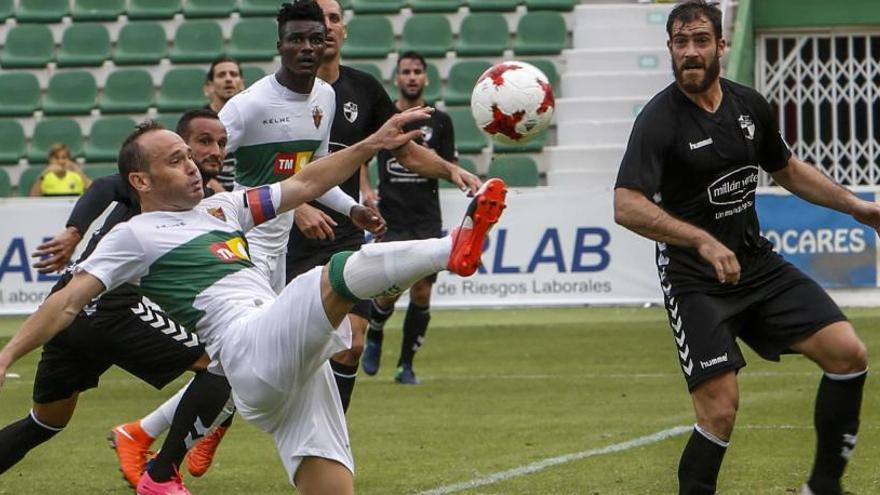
x,y
141,340
396,233
787,308
300,261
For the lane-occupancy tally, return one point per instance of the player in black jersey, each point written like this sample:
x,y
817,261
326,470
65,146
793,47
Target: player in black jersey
x,y
688,181
223,81
362,106
117,328
411,207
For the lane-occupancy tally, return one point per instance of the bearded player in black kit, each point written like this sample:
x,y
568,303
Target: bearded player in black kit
x,y
688,181
362,106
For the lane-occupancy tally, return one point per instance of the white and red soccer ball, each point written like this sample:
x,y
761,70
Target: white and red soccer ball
x,y
512,102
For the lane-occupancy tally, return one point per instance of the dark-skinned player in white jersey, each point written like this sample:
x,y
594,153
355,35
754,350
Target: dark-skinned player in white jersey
x,y
688,181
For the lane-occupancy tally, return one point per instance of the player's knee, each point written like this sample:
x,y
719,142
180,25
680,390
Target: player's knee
x,y
855,358
201,364
55,414
350,357
720,420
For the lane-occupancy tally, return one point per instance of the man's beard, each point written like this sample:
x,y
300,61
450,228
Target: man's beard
x,y
208,174
413,96
710,74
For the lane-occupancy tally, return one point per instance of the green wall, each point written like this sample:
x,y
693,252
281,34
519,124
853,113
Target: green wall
x,y
770,14
741,64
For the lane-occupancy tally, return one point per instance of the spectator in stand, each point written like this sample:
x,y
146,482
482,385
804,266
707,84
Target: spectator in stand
x,y
62,177
222,82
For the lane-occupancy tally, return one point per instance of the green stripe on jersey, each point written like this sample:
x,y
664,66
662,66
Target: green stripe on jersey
x,y
267,163
180,275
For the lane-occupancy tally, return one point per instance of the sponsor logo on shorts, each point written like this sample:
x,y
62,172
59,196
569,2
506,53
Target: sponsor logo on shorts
x,y
230,251
712,362
289,163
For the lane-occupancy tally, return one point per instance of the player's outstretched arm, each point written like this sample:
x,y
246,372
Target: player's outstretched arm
x,y
427,163
637,213
54,315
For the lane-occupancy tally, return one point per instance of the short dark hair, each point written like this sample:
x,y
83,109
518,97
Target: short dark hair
x,y
691,10
412,55
219,60
299,10
131,155
190,115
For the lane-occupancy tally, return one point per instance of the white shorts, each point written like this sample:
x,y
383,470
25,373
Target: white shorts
x,y
277,363
272,266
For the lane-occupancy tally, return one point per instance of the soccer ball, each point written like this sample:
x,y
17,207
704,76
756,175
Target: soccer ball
x,y
512,102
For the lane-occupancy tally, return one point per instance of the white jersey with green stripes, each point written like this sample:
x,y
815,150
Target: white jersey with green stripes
x,y
274,132
195,264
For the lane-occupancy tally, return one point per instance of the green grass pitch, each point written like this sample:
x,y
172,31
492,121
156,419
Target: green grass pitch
x,y
501,390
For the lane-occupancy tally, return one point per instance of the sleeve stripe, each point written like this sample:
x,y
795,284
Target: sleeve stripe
x,y
259,200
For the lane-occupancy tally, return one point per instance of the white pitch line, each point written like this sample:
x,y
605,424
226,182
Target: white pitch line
x,y
555,461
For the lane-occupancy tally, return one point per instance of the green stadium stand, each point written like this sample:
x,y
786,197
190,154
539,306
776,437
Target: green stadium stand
x,y
84,45
195,9
533,146
377,6
548,67
106,138
5,9
5,184
140,43
369,37
13,144
252,74
465,163
535,5
468,137
181,90
19,94
27,179
71,93
482,34
197,41
371,69
435,6
540,33
50,131
28,46
169,120
462,78
44,11
127,91
98,170
515,170
259,8
492,5
428,34
152,9
97,10
253,39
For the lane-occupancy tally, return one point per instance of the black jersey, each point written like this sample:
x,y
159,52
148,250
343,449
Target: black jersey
x,y
702,168
362,107
408,200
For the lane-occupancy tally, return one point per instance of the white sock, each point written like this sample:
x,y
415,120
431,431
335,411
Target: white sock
x,y
158,421
389,268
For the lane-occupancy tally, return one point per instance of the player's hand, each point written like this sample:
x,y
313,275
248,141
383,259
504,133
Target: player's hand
x,y
368,219
392,134
722,259
868,213
464,180
314,223
55,253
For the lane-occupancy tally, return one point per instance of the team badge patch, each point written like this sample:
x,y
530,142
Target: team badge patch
x,y
350,111
427,132
317,116
747,125
217,213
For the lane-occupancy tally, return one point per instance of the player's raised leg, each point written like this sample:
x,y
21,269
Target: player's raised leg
x,y
43,422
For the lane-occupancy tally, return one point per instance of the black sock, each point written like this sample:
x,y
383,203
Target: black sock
x,y
699,465
345,376
18,438
228,421
415,325
378,317
836,418
198,408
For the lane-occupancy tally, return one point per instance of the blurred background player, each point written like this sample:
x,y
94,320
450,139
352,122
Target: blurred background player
x,y
410,205
62,177
222,82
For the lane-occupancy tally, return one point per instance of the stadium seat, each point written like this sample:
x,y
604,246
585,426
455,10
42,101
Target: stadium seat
x,y
5,9
436,6
44,11
462,77
377,6
566,5
253,39
492,5
369,37
515,170
51,131
533,146
140,43
98,170
259,8
71,93
28,46
127,91
84,45
371,69
540,33
464,163
152,9
168,120
97,10
12,141
548,67
434,90
197,41
27,178
428,34
5,184
19,94
252,74
482,34
106,137
181,90
468,137
194,9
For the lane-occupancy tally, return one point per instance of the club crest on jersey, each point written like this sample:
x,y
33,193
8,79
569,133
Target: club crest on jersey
x,y
350,111
231,251
289,163
217,213
427,132
317,116
747,125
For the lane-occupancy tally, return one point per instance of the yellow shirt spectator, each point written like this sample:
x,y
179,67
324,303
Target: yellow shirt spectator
x,y
68,184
